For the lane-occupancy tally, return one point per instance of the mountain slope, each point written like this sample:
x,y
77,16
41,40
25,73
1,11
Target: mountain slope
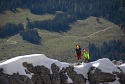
x,y
61,45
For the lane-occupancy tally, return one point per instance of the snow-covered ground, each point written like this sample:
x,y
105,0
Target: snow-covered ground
x,y
14,65
104,64
122,67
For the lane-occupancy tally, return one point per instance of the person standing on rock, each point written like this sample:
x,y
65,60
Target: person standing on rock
x,y
78,53
86,56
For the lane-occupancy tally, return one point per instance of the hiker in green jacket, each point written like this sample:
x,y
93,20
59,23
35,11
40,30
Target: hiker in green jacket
x,y
86,56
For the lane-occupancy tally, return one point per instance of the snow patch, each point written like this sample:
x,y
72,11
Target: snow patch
x,y
83,69
122,67
105,65
14,65
69,79
87,82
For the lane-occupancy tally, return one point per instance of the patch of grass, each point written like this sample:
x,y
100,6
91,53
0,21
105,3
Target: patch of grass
x,y
60,45
10,17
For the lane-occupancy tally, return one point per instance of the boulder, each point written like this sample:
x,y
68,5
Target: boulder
x,y
19,79
76,78
95,76
122,78
55,74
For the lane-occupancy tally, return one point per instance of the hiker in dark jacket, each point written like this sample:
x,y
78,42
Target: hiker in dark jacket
x,y
78,53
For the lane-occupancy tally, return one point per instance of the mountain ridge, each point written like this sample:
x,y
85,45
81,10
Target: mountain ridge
x,y
30,66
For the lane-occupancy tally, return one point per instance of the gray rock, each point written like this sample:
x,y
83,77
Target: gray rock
x,y
76,78
43,75
55,74
63,76
19,79
4,79
29,67
95,76
122,78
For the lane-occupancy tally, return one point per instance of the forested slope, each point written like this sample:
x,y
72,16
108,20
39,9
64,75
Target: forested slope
x,y
113,10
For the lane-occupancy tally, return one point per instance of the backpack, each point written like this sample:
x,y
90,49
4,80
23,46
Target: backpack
x,y
78,51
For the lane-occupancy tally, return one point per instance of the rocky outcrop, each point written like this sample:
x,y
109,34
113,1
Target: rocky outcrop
x,y
122,78
19,79
55,75
14,79
77,78
43,75
95,76
3,77
118,62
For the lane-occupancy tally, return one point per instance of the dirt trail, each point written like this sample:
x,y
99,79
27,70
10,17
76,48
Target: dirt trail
x,y
93,33
11,42
15,42
99,31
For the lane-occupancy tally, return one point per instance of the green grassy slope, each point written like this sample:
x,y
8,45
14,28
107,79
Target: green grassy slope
x,y
61,45
10,17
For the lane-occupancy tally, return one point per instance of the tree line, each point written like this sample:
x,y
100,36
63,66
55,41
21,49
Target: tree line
x,y
113,10
10,29
31,35
114,50
58,24
72,10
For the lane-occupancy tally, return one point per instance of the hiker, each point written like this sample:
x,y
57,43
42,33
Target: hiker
x,y
86,56
78,53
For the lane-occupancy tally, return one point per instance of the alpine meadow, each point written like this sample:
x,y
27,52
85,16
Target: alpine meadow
x,y
55,27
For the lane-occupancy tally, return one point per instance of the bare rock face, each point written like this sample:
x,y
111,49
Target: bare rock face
x,y
95,76
77,78
122,78
3,77
14,79
55,75
43,75
20,79
118,62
